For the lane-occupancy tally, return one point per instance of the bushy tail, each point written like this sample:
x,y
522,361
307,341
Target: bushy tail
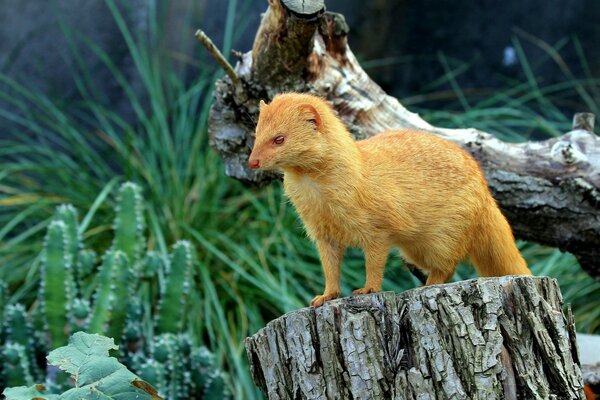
x,y
493,250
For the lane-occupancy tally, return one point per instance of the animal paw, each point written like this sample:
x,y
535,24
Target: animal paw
x,y
322,298
364,290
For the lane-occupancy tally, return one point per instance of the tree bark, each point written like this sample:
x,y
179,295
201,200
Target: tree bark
x,y
549,190
489,338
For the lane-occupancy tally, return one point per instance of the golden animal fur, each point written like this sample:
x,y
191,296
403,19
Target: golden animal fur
x,y
408,189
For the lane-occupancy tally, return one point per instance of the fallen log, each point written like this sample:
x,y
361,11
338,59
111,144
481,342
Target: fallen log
x,y
488,338
549,190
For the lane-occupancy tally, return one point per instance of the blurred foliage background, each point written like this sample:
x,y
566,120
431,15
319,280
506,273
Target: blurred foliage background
x,y
119,91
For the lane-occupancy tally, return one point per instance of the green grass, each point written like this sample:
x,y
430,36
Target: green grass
x,y
254,261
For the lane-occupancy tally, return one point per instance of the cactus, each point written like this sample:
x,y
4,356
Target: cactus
x,y
86,261
201,363
215,388
17,328
133,335
111,297
167,351
151,265
68,215
154,373
80,315
15,365
57,283
129,223
124,293
178,280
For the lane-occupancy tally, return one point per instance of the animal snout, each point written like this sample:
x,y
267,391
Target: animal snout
x,y
254,163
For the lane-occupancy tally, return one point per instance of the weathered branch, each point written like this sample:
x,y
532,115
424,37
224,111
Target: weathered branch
x,y
218,56
294,23
549,190
491,338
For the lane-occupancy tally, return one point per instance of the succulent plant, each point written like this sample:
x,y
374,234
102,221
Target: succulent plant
x,y
129,223
57,286
174,293
15,365
110,298
139,299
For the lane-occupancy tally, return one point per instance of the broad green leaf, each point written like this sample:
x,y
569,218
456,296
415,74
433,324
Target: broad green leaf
x,y
81,346
117,385
98,376
28,393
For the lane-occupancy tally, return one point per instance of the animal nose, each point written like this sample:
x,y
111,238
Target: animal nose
x,y
254,163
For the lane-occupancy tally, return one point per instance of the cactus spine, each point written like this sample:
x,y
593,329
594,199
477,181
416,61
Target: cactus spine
x,y
175,291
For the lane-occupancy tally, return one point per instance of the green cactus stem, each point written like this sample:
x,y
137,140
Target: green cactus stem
x,y
202,363
57,283
129,223
68,214
15,365
154,373
111,296
175,291
166,350
17,328
151,265
80,315
86,262
216,387
133,335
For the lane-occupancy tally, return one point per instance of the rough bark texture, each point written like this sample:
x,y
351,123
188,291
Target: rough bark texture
x,y
549,190
490,338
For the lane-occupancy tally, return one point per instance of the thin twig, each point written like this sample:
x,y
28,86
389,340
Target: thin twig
x,y
218,56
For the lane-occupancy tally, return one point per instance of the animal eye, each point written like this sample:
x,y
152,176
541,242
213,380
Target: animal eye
x,y
278,140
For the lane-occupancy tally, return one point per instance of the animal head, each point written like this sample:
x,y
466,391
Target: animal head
x,y
289,132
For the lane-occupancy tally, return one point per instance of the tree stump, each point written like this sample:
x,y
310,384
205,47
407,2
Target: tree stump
x,y
488,338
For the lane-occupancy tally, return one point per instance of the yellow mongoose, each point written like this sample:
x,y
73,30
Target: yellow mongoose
x,y
409,189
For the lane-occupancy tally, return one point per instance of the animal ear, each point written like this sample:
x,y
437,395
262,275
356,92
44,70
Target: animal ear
x,y
261,104
312,115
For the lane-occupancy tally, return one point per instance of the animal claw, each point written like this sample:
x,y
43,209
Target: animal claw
x,y
363,291
322,298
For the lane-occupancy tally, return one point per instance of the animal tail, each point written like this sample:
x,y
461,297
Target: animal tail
x,y
493,250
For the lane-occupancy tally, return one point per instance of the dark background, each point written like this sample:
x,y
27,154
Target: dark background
x,y
406,46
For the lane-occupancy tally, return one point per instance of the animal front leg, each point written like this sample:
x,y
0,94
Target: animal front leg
x,y
331,254
375,257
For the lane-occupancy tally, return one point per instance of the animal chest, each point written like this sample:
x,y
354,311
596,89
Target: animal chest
x,y
326,211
